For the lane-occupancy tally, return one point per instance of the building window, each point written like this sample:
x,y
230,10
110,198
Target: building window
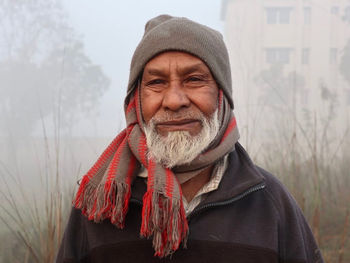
x,y
305,56
347,14
333,56
278,15
347,96
278,55
304,96
307,15
335,10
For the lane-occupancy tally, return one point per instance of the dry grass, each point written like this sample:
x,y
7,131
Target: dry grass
x,y
321,189
34,220
314,165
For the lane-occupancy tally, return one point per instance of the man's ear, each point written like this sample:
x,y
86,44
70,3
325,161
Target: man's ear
x,y
138,86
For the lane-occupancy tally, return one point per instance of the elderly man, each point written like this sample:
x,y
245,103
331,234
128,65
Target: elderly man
x,y
175,185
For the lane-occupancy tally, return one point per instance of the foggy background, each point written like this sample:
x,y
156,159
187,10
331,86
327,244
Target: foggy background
x,y
64,72
64,67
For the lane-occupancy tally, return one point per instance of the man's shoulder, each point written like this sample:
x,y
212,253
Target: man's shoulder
x,y
245,163
274,189
293,227
273,184
278,193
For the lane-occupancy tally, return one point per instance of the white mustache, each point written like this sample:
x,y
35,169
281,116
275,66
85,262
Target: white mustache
x,y
167,117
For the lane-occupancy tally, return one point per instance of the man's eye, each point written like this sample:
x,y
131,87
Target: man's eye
x,y
194,78
195,81
155,82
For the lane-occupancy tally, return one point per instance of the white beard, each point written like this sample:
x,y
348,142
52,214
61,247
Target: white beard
x,y
180,147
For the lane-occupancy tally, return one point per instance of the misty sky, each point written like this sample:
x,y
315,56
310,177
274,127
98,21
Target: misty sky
x,y
111,31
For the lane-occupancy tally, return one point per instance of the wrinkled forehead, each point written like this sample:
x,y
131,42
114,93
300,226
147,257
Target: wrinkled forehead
x,y
182,62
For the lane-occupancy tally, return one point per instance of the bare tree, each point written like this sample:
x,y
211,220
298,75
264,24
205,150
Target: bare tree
x,y
43,68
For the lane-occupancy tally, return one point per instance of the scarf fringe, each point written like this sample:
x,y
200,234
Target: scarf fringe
x,y
165,221
105,196
84,194
109,200
122,204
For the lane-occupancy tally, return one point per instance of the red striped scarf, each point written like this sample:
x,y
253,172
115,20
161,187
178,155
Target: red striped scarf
x,y
105,190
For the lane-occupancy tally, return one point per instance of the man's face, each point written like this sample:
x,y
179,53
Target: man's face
x,y
179,105
181,87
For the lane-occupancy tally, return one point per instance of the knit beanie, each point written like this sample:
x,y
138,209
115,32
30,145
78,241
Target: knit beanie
x,y
167,33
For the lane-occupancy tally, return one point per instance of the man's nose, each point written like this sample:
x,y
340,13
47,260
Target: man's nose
x,y
175,97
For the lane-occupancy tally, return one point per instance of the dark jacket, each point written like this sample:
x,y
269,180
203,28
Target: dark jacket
x,y
250,218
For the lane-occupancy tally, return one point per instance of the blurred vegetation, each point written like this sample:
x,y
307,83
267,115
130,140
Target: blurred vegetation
x,y
309,152
44,70
33,218
45,75
317,173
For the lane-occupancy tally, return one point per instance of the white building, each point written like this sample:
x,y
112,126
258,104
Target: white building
x,y
285,57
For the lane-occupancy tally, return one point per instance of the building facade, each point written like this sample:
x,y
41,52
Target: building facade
x,y
285,59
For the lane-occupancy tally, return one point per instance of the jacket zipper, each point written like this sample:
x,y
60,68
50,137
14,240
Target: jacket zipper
x,y
136,201
227,202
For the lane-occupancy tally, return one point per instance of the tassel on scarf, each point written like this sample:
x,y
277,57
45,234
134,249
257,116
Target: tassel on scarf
x,y
165,221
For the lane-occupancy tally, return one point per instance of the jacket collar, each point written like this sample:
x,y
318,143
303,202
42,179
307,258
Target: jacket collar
x,y
240,176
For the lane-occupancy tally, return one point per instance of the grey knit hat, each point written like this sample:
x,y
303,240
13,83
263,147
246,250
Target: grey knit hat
x,y
167,33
